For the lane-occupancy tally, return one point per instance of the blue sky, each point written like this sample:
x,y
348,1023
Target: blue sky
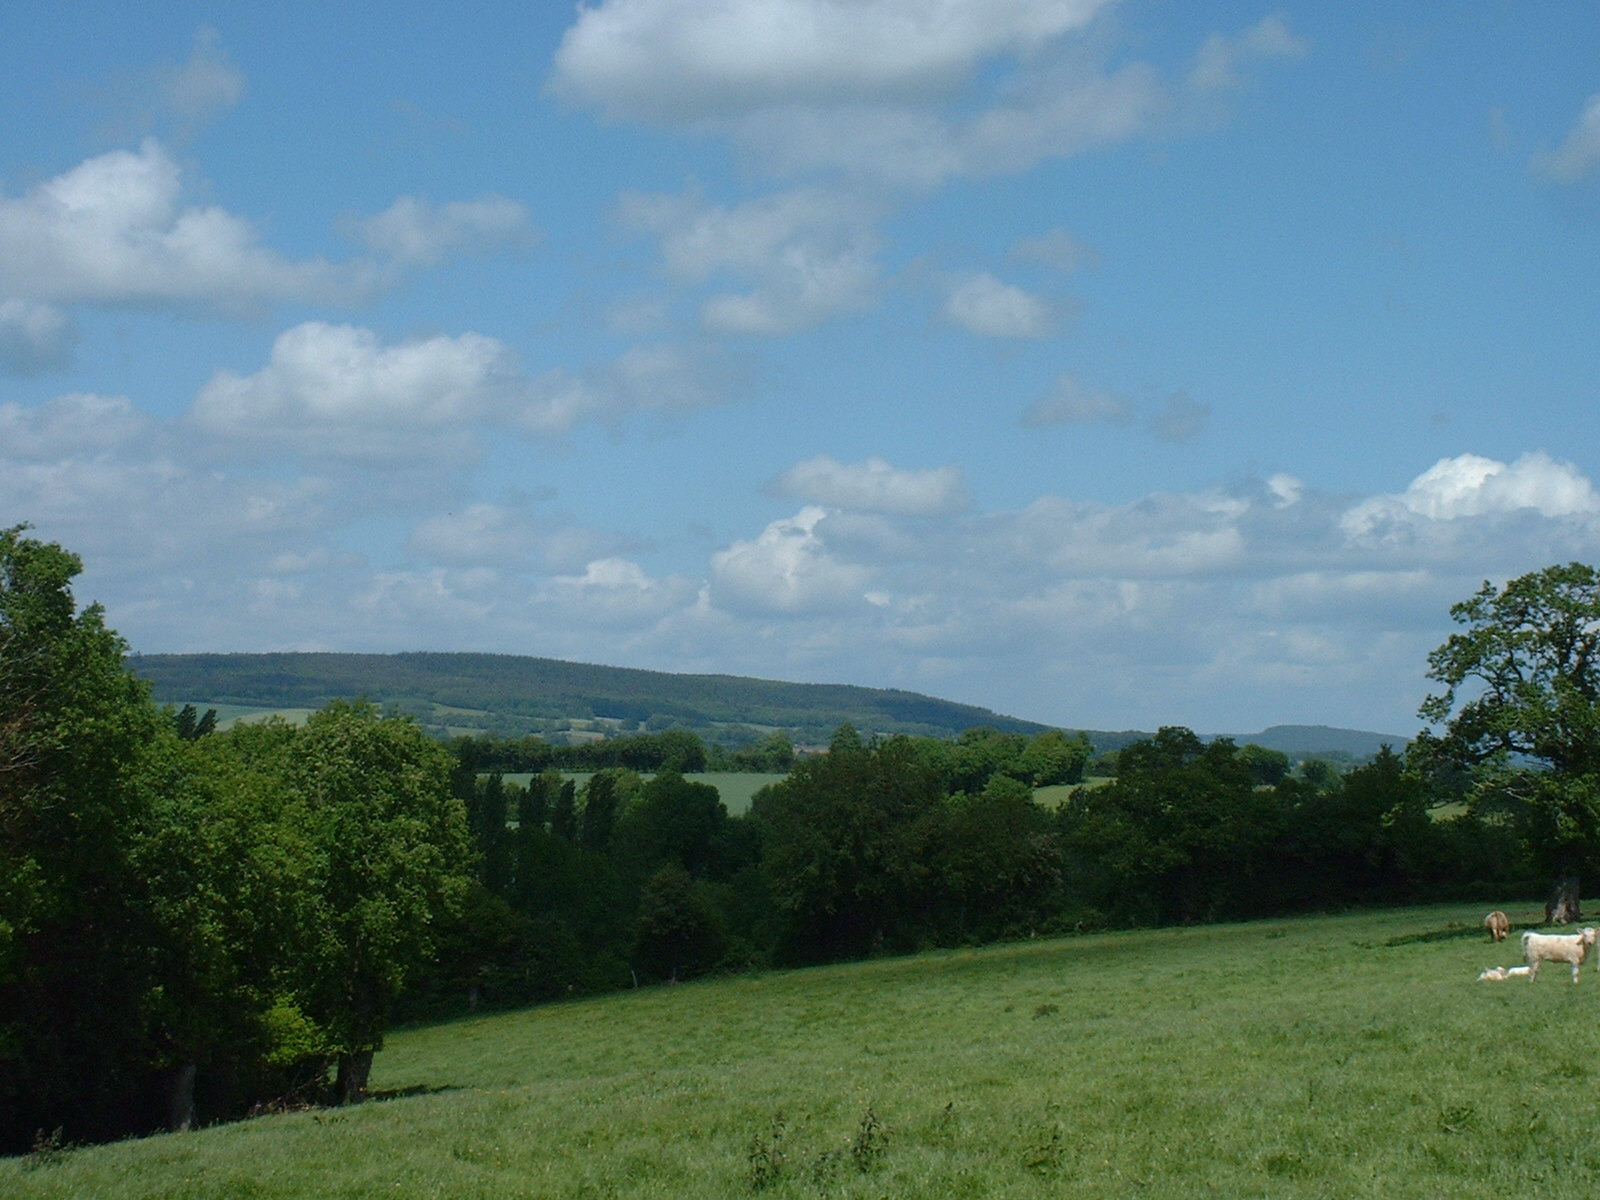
x,y
1108,365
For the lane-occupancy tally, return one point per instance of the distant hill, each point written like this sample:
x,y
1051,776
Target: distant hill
x,y
1313,741
513,695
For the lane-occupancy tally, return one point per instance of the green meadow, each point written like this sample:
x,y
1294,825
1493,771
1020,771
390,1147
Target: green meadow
x,y
736,788
1334,1056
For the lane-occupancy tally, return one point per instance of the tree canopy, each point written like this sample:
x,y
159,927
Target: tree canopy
x,y
1520,711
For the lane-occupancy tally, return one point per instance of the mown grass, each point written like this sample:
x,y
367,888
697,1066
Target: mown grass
x,y
1324,1057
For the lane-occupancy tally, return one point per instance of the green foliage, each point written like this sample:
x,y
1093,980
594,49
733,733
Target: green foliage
x,y
1523,679
391,851
680,932
1521,707
1182,833
74,982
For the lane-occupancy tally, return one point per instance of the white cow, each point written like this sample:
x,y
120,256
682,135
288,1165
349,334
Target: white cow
x,y
1557,947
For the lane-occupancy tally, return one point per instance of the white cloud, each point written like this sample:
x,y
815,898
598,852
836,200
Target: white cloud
x,y
1285,489
984,305
1058,249
787,569
476,535
1470,485
335,391
34,337
1073,402
808,255
338,392
1578,154
675,60
902,92
115,230
873,486
1059,113
69,426
206,84
414,231
1217,64
663,379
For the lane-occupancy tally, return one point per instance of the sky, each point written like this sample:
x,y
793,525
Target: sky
x,y
1108,365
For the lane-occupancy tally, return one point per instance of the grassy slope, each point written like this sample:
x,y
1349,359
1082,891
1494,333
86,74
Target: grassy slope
x,y
1340,1056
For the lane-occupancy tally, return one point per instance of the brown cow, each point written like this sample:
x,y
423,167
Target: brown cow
x,y
1498,925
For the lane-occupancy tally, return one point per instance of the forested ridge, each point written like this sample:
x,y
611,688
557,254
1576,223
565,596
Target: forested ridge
x,y
196,923
514,694
510,696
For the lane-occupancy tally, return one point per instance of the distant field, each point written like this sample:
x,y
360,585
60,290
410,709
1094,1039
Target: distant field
x,y
1346,1056
735,787
229,715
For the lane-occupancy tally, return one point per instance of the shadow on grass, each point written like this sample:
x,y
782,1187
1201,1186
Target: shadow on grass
x,y
381,1095
1450,934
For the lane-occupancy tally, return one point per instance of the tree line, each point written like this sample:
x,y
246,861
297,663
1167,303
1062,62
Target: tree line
x,y
194,924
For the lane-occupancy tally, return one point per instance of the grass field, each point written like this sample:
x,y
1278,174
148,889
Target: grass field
x,y
1347,1056
735,787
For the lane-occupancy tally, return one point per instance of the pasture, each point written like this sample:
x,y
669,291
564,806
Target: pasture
x,y
737,788
1335,1056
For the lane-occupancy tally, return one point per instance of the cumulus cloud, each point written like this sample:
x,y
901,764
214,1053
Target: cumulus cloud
x,y
336,391
1470,485
903,92
68,426
1073,402
339,392
807,255
34,337
787,569
984,305
676,60
115,230
1578,155
873,486
416,232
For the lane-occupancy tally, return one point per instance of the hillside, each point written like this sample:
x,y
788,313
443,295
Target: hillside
x,y
1322,741
1351,1055
514,695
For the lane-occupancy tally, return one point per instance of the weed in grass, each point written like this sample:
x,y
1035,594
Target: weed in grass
x,y
49,1150
1046,1010
871,1142
766,1155
1044,1156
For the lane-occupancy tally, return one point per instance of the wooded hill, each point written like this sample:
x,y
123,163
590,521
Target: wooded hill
x,y
513,695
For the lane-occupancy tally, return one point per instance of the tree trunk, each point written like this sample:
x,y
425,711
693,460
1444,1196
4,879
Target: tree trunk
x,y
180,1099
351,1083
1563,905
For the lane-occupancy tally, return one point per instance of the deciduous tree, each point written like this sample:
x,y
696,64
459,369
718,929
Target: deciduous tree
x,y
1520,707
